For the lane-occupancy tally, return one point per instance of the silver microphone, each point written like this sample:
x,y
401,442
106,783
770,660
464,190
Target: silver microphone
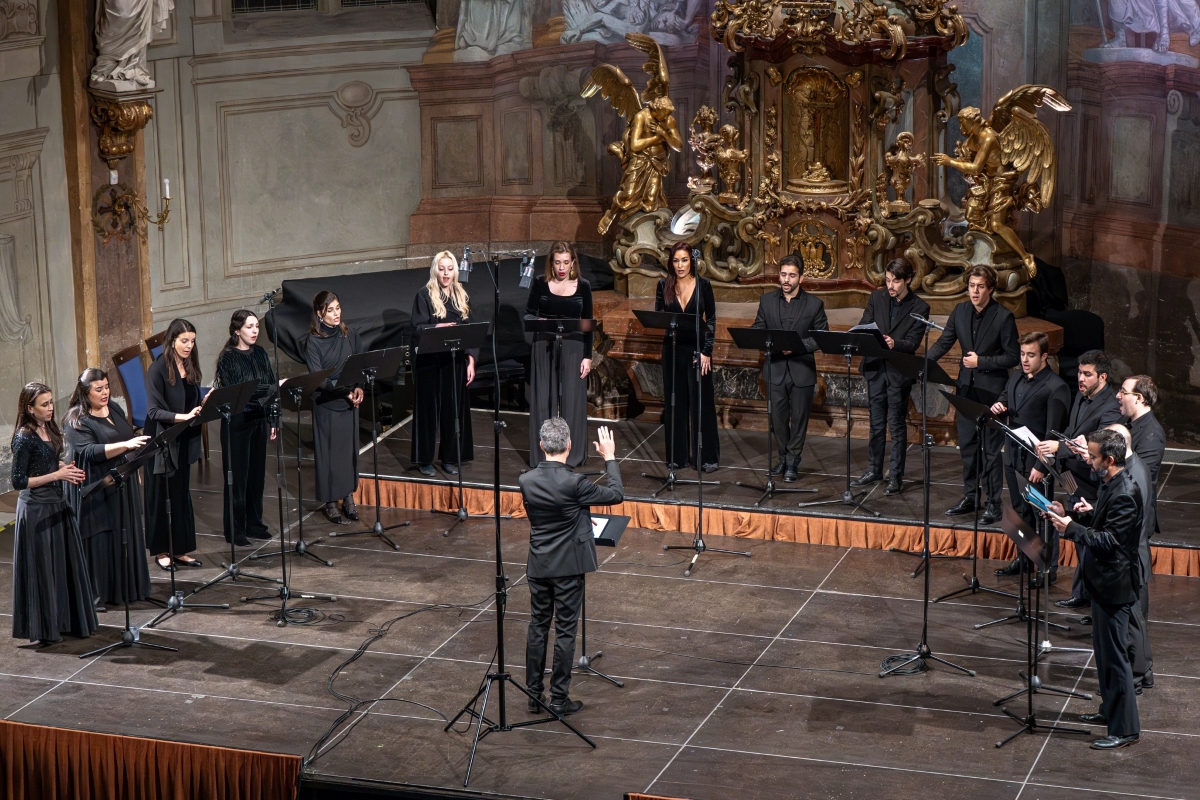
x,y
464,266
527,270
928,322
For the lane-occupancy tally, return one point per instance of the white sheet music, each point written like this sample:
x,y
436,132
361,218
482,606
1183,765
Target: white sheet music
x,y
598,526
870,326
1025,435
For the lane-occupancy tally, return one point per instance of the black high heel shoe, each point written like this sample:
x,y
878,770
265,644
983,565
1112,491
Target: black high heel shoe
x,y
349,510
333,515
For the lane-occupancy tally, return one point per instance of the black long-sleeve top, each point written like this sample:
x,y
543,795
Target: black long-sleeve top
x,y
86,440
686,335
238,366
545,304
32,457
422,318
330,351
164,400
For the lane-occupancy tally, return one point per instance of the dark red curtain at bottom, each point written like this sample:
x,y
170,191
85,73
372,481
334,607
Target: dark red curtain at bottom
x,y
53,763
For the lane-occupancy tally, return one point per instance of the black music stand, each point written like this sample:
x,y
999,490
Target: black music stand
x,y
222,403
118,476
670,322
608,536
176,603
454,339
366,368
559,328
847,345
296,395
771,342
1034,548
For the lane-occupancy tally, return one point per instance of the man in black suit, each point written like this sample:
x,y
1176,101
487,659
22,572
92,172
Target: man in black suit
x,y
561,549
891,309
1137,397
986,332
1095,406
1141,654
1110,530
1037,399
794,375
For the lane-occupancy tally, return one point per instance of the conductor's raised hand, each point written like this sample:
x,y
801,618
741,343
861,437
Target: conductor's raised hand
x,y
605,445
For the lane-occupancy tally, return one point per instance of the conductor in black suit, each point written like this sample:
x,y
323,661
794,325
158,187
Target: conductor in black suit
x,y
794,375
1037,399
1095,407
891,308
986,332
561,549
1110,531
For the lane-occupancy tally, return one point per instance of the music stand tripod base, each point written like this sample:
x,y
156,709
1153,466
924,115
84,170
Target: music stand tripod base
x,y
698,546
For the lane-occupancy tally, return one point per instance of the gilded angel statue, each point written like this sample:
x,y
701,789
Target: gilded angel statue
x,y
649,131
996,153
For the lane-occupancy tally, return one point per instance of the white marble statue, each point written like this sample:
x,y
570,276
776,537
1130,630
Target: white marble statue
x,y
123,30
488,28
670,22
1154,16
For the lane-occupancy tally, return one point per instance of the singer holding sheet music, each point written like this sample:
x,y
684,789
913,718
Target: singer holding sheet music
x,y
890,309
680,293
561,294
334,411
441,302
793,375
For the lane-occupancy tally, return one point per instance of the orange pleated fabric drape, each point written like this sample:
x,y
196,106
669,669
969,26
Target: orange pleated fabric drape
x,y
51,763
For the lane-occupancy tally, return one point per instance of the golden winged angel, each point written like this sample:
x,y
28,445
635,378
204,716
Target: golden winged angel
x,y
650,129
995,154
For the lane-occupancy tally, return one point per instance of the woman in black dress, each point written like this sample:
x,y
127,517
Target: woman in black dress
x,y
173,396
52,593
441,302
561,294
243,359
98,437
335,411
679,293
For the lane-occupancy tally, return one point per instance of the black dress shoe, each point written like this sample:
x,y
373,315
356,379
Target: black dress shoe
x,y
1012,568
566,707
533,706
895,486
964,506
333,515
1085,620
991,514
450,469
1039,582
263,534
1093,719
240,540
867,478
1148,680
711,467
1114,742
790,475
778,469
350,511
190,562
427,470
1072,602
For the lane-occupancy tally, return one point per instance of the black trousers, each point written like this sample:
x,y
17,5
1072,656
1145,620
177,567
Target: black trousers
x,y
678,418
1078,588
1110,634
438,384
1141,655
968,447
889,411
244,450
560,598
790,407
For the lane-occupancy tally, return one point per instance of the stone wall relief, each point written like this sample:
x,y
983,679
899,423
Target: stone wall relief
x,y
568,131
19,38
490,28
670,22
1150,20
356,103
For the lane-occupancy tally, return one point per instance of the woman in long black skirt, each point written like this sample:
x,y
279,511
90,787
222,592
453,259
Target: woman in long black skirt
x,y
442,301
173,396
679,293
98,437
561,294
52,593
335,411
246,434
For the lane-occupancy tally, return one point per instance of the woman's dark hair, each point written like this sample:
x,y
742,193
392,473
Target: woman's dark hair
x,y
321,302
177,328
555,249
25,420
901,269
669,285
80,406
235,324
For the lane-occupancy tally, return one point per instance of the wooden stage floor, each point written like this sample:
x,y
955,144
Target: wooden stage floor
x,y
755,678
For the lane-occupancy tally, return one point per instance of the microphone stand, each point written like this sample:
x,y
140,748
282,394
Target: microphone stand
x,y
500,677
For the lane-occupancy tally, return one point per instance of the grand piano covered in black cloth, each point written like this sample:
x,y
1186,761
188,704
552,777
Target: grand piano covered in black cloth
x,y
378,304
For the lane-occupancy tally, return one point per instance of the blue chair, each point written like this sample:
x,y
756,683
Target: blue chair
x,y
132,378
154,346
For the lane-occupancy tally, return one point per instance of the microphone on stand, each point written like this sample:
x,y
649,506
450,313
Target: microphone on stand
x,y
464,266
527,270
928,322
266,298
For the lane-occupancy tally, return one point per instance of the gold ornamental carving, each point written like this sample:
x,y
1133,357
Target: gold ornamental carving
x,y
902,161
649,132
998,152
815,131
729,164
119,122
704,144
817,246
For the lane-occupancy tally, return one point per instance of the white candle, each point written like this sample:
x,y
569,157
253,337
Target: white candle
x,y
166,188
112,177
